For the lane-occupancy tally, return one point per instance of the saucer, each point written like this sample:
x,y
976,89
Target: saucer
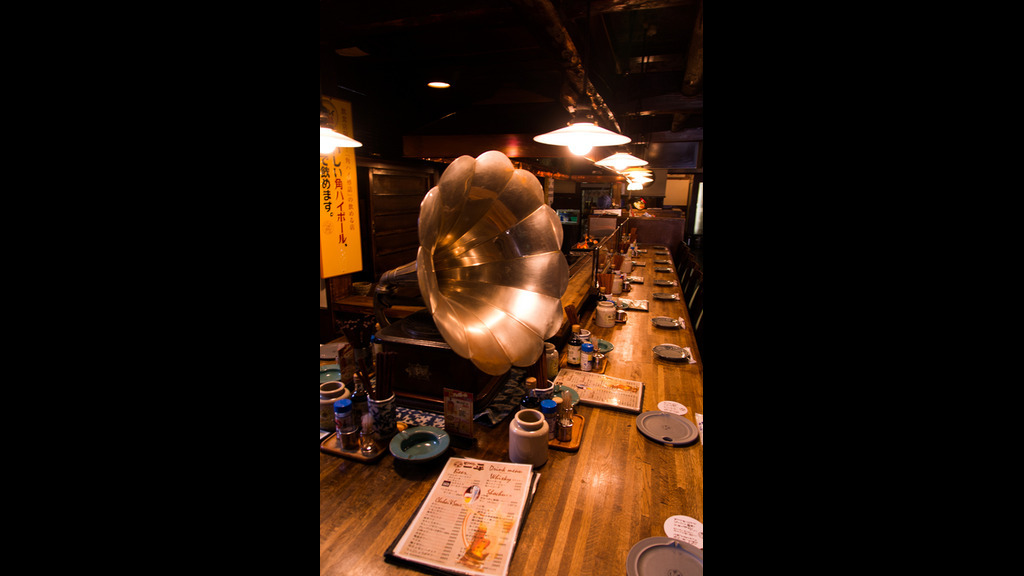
x,y
667,428
572,393
665,322
659,555
329,372
671,352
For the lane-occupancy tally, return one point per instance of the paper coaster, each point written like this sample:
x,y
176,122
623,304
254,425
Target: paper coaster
x,y
685,529
672,407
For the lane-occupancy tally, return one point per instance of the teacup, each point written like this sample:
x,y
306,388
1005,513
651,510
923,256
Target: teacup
x,y
545,393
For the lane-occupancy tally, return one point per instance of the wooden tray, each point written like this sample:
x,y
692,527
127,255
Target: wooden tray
x,y
331,446
577,436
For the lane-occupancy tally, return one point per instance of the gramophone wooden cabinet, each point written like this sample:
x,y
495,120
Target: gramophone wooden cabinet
x,y
424,365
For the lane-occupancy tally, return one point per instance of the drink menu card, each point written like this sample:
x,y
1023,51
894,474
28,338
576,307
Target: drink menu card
x,y
604,391
458,412
470,521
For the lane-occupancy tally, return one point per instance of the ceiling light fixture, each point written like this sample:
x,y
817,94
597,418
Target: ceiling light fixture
x,y
439,84
329,139
581,136
636,171
583,133
620,161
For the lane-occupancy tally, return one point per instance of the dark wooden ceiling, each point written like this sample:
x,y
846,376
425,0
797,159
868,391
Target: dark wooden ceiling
x,y
517,67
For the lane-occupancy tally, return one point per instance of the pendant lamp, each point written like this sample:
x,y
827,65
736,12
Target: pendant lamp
x,y
580,137
620,161
329,139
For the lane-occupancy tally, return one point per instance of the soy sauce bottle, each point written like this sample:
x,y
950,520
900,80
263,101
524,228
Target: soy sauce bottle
x,y
360,405
573,349
529,401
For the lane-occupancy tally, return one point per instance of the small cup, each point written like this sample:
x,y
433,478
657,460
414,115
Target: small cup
x,y
544,393
383,412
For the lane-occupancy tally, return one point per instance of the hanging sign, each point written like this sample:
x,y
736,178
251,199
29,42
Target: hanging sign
x,y
341,250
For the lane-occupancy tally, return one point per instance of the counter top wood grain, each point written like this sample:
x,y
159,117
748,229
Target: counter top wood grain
x,y
591,506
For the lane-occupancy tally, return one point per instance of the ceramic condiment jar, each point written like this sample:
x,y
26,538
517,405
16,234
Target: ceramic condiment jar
x,y
528,438
330,392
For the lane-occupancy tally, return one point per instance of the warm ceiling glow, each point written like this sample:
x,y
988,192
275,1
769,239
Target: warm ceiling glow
x,y
439,84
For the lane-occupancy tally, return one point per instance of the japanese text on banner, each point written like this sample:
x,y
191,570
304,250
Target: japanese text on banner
x,y
340,244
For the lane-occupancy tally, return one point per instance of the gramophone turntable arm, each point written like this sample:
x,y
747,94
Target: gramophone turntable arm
x,y
397,287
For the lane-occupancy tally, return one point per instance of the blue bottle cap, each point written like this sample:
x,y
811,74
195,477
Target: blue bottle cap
x,y
548,406
342,406
587,347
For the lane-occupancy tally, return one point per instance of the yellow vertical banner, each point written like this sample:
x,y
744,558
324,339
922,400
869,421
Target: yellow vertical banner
x,y
340,245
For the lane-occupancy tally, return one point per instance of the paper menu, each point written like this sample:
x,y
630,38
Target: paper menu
x,y
470,520
605,391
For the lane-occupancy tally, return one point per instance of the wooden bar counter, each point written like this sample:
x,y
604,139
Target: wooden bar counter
x,y
590,507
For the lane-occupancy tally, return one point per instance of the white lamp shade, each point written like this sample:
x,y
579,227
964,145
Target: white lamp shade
x,y
581,137
329,140
620,161
642,179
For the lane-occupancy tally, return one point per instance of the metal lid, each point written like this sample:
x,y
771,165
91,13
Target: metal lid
x,y
666,428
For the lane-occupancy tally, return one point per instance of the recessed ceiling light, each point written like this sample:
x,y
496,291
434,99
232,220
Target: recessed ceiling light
x,y
438,84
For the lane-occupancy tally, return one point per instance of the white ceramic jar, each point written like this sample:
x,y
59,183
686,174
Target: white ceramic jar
x,y
605,314
551,360
330,392
528,438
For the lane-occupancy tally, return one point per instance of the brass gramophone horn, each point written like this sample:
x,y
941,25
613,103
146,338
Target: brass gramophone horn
x,y
489,268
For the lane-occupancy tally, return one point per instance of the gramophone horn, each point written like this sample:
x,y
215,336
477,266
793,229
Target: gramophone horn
x,y
489,268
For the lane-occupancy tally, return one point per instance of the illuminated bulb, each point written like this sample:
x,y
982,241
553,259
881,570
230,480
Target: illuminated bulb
x,y
327,144
580,148
620,161
581,137
329,140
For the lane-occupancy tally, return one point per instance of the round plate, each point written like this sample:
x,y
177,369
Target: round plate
x,y
419,444
660,555
671,352
572,393
665,322
329,372
604,346
666,428
665,296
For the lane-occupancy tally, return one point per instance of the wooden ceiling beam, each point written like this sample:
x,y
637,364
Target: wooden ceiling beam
x,y
545,14
695,58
